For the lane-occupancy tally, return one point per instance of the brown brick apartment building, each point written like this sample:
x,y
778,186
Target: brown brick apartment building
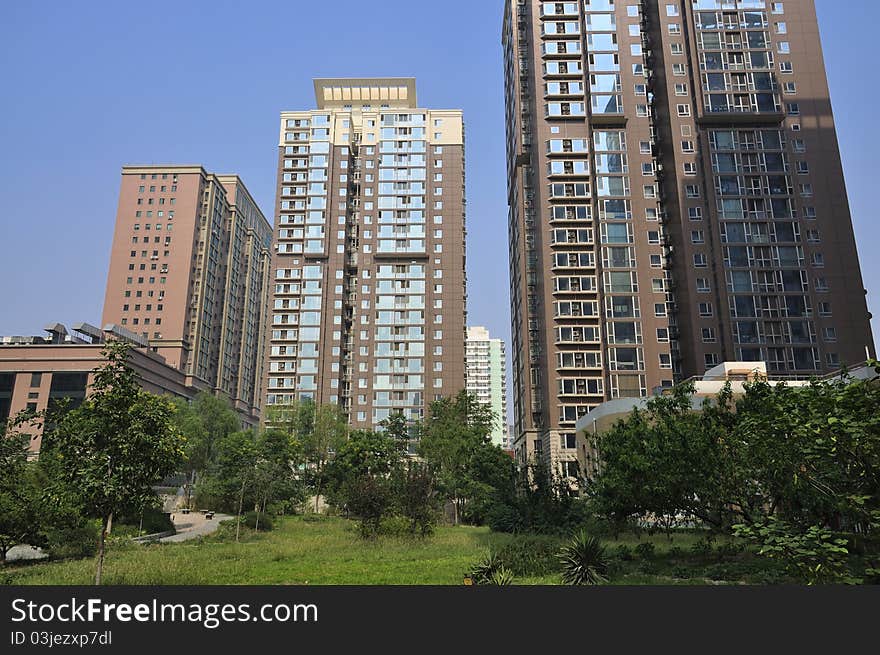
x,y
676,200
189,272
369,261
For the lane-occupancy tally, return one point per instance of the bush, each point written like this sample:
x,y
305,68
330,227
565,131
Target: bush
x,y
583,561
530,555
79,539
702,548
623,553
265,521
154,520
645,550
502,517
730,549
676,552
395,526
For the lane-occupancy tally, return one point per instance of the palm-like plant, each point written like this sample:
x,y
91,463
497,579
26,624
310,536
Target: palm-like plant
x,y
583,561
484,570
502,576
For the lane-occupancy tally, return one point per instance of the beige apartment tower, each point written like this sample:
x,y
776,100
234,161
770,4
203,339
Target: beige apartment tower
x,y
487,378
676,200
189,272
369,253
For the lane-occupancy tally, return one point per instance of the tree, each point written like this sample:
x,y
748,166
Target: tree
x,y
454,431
329,432
204,422
277,478
795,469
296,418
366,454
21,510
399,429
416,497
233,476
116,445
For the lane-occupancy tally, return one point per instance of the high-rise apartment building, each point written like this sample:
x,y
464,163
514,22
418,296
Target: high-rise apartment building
x,y
676,200
369,259
189,272
486,377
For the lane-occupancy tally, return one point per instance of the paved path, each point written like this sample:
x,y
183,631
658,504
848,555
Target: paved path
x,y
193,525
188,526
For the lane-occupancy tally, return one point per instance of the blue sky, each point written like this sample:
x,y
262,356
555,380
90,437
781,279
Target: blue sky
x,y
90,86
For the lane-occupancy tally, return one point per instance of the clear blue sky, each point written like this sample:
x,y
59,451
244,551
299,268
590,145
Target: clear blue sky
x,y
90,86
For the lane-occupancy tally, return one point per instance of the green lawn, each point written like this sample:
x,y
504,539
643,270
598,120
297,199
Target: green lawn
x,y
329,551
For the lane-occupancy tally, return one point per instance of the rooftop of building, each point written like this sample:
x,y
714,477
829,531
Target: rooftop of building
x,y
340,91
80,333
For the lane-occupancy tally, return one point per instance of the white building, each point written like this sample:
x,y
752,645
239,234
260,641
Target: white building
x,y
486,377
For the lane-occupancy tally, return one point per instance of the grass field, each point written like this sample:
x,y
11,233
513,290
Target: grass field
x,y
329,551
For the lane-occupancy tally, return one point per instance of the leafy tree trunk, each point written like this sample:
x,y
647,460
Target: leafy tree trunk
x,y
105,529
238,518
318,488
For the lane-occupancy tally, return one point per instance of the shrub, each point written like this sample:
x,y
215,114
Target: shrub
x,y
645,550
682,573
79,539
702,548
583,561
730,549
623,553
502,517
396,526
265,521
530,555
676,552
152,520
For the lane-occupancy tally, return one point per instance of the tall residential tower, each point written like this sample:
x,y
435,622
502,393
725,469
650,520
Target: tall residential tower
x,y
487,378
369,260
189,272
676,200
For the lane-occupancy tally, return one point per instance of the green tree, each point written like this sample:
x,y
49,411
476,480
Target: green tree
x,y
277,471
204,422
451,436
116,445
399,429
364,454
788,465
21,509
296,418
233,477
415,496
329,432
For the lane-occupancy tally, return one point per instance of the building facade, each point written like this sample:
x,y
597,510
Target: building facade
x,y
486,377
676,200
189,272
368,307
37,371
